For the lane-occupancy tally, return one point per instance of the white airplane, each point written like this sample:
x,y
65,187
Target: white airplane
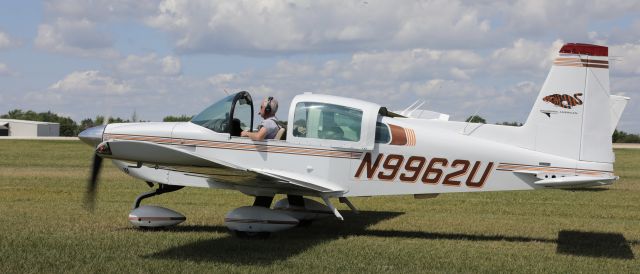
x,y
336,147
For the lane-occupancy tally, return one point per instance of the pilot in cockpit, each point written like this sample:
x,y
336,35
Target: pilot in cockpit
x,y
269,126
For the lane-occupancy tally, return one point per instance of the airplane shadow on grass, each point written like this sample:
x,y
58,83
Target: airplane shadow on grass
x,y
282,246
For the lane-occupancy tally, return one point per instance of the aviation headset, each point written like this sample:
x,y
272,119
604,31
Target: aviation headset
x,y
267,108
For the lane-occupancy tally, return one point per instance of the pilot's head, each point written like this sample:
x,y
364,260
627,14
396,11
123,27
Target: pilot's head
x,y
269,107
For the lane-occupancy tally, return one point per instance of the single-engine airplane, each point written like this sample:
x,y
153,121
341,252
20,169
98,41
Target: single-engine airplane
x,y
336,147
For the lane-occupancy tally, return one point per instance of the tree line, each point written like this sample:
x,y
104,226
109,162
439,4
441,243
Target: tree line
x,y
618,136
68,127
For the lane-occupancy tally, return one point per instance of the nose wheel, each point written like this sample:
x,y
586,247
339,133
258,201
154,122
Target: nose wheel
x,y
149,216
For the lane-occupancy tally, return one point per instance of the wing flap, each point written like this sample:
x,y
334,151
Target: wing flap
x,y
300,180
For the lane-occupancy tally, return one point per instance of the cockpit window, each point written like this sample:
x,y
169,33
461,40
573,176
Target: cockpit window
x,y
216,116
327,121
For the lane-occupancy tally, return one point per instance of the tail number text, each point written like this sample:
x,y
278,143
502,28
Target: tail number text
x,y
429,171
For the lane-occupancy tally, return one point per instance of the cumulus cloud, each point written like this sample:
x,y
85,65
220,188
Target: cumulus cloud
x,y
90,82
149,64
77,37
525,56
264,27
458,55
77,27
99,10
626,59
4,70
7,42
570,19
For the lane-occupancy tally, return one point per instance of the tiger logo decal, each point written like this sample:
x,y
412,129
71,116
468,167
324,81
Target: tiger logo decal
x,y
564,100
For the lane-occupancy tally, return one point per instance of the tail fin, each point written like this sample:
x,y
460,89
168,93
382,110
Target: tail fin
x,y
574,113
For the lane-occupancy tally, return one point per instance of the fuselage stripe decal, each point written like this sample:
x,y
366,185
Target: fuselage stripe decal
x,y
578,62
237,146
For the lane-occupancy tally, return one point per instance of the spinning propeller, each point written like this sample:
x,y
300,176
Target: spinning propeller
x,y
93,137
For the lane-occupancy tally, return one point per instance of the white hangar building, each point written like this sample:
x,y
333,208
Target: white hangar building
x,y
23,128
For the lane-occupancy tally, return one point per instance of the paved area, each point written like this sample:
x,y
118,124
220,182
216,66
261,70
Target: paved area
x,y
37,138
624,145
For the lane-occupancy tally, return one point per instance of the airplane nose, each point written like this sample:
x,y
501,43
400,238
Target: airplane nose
x,y
92,136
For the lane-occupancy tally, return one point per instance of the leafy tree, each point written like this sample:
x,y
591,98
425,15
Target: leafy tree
x,y
476,119
117,120
86,123
513,124
620,136
67,126
99,120
181,118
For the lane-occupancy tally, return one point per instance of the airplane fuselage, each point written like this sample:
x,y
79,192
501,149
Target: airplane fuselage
x,y
415,161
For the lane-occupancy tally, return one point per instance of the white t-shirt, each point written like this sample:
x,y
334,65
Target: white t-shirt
x,y
271,126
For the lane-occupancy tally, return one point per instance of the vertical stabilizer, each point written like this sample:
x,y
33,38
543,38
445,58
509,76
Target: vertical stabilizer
x,y
572,114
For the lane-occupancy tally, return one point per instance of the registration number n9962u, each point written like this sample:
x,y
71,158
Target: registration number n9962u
x,y
395,167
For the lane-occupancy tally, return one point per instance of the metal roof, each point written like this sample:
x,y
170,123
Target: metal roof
x,y
5,121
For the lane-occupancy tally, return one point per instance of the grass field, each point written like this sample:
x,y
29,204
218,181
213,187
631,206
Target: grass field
x,y
44,228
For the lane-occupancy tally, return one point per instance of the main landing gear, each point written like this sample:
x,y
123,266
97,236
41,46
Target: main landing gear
x,y
259,220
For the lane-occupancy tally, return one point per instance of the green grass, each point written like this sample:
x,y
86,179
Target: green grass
x,y
44,228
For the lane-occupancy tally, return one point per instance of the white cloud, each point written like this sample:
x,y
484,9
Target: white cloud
x,y
626,59
264,27
525,56
571,19
90,82
77,37
150,64
7,42
100,10
78,28
459,55
410,65
4,70
525,87
221,79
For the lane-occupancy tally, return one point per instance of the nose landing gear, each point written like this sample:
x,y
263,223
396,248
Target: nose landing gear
x,y
155,216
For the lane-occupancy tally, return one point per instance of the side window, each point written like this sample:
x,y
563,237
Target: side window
x,y
327,121
382,133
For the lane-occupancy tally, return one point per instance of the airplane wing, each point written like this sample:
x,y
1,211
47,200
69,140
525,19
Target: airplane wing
x,y
177,159
152,153
301,181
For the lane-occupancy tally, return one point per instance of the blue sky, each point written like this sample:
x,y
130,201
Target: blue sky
x,y
158,58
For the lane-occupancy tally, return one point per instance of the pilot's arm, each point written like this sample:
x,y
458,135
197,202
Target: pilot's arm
x,y
256,136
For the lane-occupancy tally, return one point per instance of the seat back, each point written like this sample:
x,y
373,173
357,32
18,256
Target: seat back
x,y
280,135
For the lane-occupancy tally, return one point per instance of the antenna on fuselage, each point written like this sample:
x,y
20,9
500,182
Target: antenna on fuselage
x,y
470,118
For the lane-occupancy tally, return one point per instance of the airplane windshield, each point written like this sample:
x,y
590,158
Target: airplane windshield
x,y
216,116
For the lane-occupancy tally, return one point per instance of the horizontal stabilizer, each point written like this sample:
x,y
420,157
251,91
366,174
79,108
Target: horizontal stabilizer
x,y
577,181
618,103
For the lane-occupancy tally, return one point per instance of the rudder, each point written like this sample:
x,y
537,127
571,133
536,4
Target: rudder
x,y
572,115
